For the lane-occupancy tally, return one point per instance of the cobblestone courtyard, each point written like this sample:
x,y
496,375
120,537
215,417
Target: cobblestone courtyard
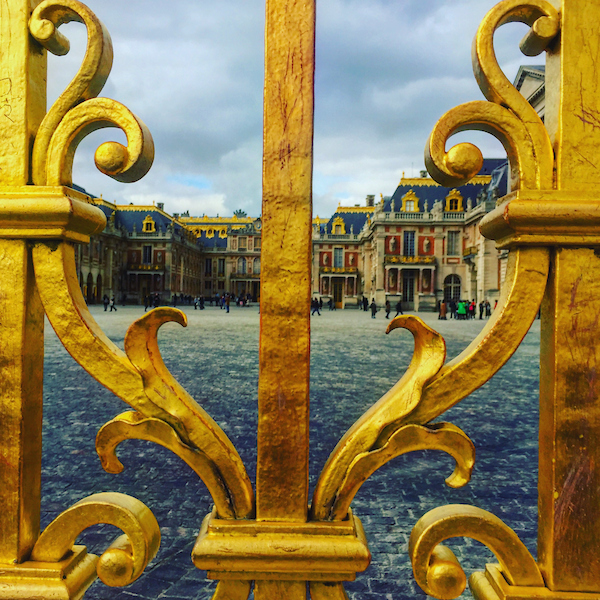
x,y
353,363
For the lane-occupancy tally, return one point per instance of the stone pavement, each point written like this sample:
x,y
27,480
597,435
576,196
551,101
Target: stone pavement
x,y
353,363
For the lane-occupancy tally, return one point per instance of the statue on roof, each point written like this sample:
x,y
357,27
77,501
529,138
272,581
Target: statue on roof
x,y
469,205
437,210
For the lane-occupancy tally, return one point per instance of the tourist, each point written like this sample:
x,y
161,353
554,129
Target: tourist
x,y
315,307
113,306
373,308
388,309
398,308
105,301
443,310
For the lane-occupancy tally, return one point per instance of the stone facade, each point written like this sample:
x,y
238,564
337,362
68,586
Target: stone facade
x,y
416,246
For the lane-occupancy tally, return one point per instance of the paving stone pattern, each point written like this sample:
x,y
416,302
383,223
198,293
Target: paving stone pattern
x,y
353,363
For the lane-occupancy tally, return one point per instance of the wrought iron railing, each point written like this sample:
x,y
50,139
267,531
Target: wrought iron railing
x,y
271,533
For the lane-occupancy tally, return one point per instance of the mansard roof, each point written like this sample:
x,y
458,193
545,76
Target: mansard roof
x,y
212,239
427,191
352,217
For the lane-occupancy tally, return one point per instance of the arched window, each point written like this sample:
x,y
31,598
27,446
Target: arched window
x,y
242,266
257,265
452,288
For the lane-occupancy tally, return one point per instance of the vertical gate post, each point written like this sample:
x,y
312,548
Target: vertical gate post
x,y
22,107
284,359
569,467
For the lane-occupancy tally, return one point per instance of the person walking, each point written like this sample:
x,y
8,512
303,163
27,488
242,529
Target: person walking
x,y
106,302
315,307
227,302
398,308
113,305
481,308
373,308
365,303
388,309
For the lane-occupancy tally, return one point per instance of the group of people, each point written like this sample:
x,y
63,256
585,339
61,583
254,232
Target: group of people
x,y
316,306
463,309
109,302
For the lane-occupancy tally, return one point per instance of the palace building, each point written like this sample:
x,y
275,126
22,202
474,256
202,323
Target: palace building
x,y
418,245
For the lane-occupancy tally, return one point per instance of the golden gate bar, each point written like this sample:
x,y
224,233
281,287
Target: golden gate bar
x,y
280,539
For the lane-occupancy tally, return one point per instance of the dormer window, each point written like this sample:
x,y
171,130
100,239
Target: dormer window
x,y
410,202
148,225
454,202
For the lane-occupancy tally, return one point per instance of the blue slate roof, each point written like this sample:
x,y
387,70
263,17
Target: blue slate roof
x,y
428,192
354,221
212,242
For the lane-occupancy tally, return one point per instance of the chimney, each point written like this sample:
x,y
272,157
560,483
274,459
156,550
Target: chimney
x,y
160,206
371,200
423,174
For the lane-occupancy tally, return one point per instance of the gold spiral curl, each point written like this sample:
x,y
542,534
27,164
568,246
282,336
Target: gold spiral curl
x,y
125,164
45,20
436,569
508,116
127,557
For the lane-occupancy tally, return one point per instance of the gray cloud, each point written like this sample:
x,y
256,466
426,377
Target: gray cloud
x,y
192,70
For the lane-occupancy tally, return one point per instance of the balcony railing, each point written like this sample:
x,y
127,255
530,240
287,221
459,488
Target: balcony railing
x,y
339,270
418,260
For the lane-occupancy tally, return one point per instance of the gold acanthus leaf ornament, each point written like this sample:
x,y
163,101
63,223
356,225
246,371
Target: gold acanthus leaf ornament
x,y
140,378
435,566
126,558
439,386
78,112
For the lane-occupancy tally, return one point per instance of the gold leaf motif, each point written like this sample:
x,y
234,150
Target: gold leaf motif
x,y
139,377
131,425
376,426
410,438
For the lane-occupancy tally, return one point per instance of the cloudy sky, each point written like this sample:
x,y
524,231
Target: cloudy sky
x,y
193,71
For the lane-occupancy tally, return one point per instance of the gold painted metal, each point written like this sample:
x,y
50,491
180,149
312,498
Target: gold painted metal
x,y
282,470
279,551
554,203
548,222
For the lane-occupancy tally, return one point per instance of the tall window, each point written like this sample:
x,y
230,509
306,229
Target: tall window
x,y
257,265
221,267
257,242
452,288
453,243
208,267
147,255
409,243
410,206
242,266
337,230
242,243
338,258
